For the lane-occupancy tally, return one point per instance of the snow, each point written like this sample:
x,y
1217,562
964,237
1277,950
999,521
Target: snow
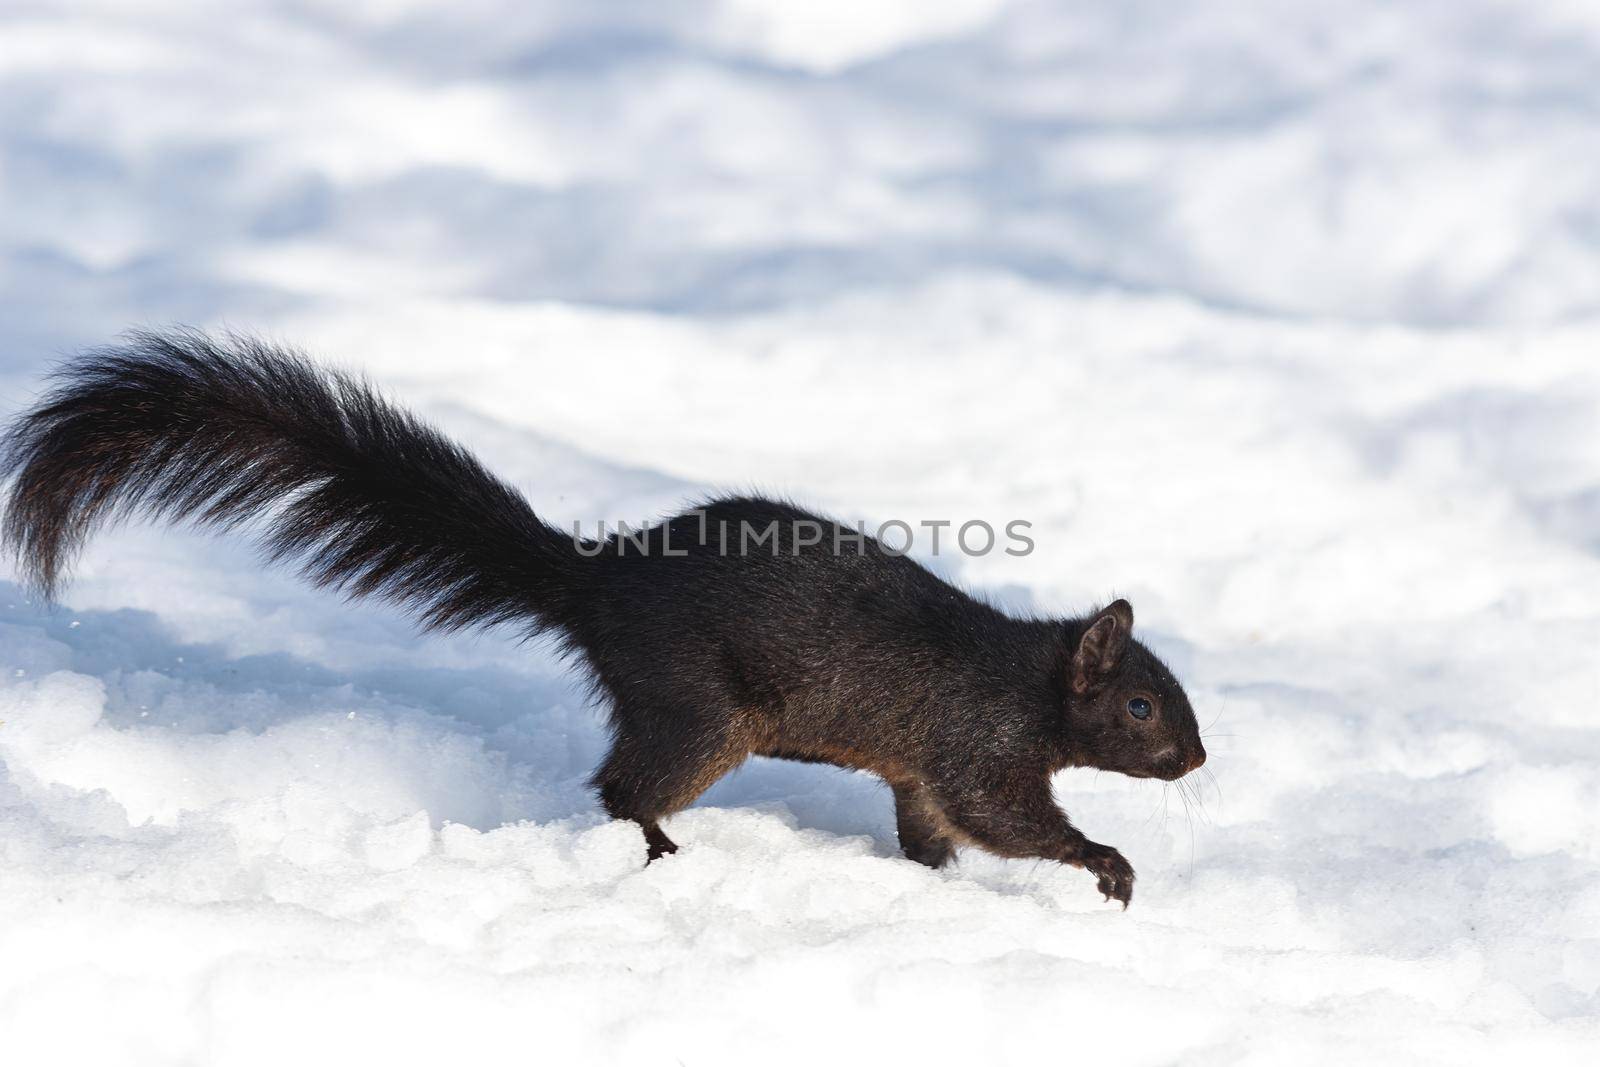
x,y
1277,319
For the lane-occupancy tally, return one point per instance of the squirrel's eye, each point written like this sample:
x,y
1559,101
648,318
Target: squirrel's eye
x,y
1139,708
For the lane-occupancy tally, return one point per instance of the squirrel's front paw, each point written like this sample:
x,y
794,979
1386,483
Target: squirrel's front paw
x,y
1115,874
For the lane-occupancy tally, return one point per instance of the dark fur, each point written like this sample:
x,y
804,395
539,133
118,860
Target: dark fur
x,y
859,660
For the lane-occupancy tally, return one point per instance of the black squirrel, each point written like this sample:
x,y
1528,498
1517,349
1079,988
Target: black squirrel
x,y
859,658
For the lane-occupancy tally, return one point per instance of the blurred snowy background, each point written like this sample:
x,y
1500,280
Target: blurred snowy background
x,y
1281,320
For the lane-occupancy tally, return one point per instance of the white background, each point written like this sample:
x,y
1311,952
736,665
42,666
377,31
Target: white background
x,y
1281,320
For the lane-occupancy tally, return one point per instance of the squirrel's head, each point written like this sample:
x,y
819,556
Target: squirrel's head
x,y
1125,710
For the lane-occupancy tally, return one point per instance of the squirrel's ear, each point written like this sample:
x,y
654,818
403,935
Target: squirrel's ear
x,y
1100,648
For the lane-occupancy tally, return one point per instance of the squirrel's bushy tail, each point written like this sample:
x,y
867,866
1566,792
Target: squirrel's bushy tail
x,y
362,495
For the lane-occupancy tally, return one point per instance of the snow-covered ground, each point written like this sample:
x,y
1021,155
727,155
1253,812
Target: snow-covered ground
x,y
1281,320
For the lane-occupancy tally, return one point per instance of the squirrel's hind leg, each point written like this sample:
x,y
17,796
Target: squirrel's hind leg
x,y
660,769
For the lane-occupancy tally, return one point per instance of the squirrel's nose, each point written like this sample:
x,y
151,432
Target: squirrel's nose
x,y
1196,760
